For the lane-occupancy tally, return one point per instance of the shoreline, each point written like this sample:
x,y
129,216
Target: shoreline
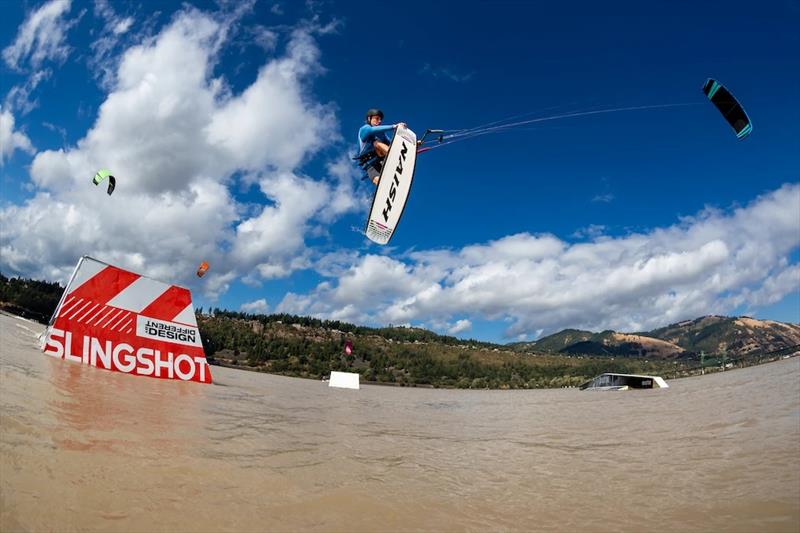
x,y
682,373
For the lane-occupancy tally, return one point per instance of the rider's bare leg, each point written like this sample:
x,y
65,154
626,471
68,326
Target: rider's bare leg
x,y
381,148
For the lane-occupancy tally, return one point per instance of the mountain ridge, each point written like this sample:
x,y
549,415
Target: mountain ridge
x,y
711,334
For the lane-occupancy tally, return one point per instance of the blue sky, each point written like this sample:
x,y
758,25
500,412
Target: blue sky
x,y
229,126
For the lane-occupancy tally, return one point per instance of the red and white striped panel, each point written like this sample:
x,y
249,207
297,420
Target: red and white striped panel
x,y
121,321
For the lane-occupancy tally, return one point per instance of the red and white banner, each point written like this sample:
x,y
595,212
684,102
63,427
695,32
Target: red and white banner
x,y
117,320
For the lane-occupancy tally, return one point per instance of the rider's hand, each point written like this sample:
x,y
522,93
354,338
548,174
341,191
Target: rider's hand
x,y
400,124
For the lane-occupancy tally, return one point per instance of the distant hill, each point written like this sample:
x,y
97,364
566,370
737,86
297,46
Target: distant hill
x,y
308,347
312,348
609,343
736,336
556,342
624,344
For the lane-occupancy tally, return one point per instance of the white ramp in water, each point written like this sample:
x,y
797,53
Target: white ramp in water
x,y
344,380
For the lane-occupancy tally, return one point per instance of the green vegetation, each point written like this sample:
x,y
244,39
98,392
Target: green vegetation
x,y
311,348
29,298
399,334
555,342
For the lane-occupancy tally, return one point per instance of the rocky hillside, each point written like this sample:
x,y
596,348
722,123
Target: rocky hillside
x,y
625,344
608,343
733,335
736,336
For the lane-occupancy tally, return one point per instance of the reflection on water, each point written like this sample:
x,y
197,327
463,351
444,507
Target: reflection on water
x,y
90,416
86,449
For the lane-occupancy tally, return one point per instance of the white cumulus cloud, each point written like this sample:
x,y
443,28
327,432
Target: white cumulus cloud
x,y
460,326
175,138
10,139
103,62
41,37
257,307
710,263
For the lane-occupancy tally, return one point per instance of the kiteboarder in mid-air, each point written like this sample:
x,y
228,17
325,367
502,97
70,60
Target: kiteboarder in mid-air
x,y
373,144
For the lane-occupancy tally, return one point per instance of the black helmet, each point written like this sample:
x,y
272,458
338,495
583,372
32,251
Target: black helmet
x,y
373,112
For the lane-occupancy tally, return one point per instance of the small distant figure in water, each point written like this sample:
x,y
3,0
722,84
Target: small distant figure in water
x,y
373,144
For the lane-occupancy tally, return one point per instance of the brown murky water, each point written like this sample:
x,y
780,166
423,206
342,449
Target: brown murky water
x,y
85,449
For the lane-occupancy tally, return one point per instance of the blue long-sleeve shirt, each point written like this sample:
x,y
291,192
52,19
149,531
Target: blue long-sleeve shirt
x,y
369,134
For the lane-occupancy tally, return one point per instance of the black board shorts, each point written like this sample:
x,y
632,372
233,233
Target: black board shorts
x,y
374,170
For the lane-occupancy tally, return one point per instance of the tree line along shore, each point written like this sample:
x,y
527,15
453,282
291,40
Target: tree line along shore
x,y
402,356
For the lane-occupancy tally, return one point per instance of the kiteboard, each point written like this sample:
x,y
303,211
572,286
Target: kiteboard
x,y
393,187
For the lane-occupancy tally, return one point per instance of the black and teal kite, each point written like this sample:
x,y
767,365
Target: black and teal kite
x,y
730,108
